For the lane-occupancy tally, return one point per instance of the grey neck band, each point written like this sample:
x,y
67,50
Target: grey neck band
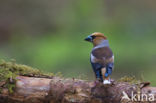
x,y
104,43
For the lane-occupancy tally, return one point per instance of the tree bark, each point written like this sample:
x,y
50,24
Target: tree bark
x,y
60,90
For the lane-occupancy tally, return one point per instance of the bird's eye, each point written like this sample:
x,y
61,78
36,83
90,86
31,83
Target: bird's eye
x,y
93,37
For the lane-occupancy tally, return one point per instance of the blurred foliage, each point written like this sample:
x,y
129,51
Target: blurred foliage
x,y
49,34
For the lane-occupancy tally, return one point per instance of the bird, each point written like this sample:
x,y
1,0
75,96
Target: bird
x,y
101,57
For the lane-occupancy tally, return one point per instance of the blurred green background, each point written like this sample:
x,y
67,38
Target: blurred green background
x,y
49,35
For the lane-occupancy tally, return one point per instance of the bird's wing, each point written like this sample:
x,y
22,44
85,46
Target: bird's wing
x,y
103,56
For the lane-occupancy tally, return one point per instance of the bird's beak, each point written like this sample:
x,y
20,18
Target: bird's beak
x,y
89,38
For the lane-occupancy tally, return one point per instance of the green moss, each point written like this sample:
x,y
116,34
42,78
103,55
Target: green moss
x,y
131,80
10,70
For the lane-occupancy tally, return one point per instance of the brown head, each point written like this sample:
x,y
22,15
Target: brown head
x,y
96,38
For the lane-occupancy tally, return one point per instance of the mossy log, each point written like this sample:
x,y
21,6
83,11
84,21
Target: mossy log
x,y
24,84
60,90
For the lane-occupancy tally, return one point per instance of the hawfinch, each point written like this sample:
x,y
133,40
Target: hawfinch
x,y
101,57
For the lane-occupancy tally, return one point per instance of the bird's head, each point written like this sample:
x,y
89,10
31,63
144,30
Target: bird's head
x,y
96,38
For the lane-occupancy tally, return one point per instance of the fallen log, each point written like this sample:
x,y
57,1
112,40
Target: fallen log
x,y
60,90
24,84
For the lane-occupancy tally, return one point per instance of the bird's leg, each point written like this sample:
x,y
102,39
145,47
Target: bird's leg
x,y
103,70
106,80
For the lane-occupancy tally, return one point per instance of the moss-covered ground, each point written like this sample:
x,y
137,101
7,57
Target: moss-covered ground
x,y
10,70
130,79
